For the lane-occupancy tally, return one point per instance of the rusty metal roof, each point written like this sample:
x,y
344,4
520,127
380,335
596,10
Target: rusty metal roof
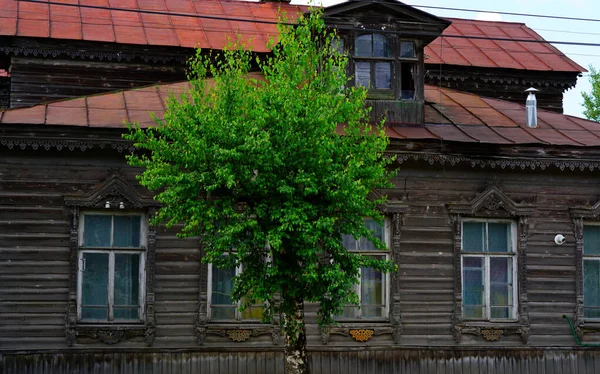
x,y
450,115
223,19
510,51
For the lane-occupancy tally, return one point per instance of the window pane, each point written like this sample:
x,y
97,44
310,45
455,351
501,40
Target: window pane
x,y
222,285
362,74
363,46
591,240
349,242
499,237
127,231
372,290
127,285
381,47
473,236
377,230
407,81
383,75
94,286
407,49
501,287
350,312
591,289
473,287
96,230
337,45
253,312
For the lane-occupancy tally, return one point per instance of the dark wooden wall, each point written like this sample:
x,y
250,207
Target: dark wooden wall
x,y
34,254
36,80
505,84
378,360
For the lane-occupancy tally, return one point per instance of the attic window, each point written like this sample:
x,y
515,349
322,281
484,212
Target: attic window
x,y
384,65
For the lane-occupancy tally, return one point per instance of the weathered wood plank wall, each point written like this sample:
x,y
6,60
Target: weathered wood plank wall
x,y
34,254
379,361
36,80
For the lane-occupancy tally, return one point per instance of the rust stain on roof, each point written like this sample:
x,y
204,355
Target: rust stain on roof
x,y
449,115
122,26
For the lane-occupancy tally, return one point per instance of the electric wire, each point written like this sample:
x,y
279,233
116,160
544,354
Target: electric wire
x,y
236,19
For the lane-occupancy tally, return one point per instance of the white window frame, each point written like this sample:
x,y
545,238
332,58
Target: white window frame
x,y
386,278
111,251
585,257
238,314
487,255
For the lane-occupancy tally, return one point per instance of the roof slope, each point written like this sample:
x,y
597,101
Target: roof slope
x,y
505,53
450,115
220,19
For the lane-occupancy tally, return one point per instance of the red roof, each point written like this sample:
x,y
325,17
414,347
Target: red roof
x,y
449,115
509,53
223,20
76,23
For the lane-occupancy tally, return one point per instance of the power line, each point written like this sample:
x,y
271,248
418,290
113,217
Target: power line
x,y
416,33
507,13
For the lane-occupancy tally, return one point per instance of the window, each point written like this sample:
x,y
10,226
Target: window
x,y
222,307
111,270
488,260
591,272
373,292
385,66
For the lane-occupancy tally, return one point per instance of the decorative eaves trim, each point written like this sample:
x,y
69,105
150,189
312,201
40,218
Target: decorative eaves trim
x,y
113,186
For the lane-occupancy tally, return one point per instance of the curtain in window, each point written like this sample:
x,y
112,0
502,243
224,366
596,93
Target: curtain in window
x,y
127,287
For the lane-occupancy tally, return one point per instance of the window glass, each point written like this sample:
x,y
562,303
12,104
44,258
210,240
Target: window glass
x,y
501,287
127,231
473,287
337,44
97,230
363,45
221,301
362,73
407,49
372,292
383,75
127,286
94,286
591,240
381,46
473,236
591,288
499,237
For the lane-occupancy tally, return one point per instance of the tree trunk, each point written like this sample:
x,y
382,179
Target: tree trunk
x,y
296,360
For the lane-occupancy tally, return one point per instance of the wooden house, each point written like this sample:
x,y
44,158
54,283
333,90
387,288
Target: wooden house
x,y
495,226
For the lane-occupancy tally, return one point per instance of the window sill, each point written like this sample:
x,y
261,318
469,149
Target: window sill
x,y
239,331
491,330
361,330
110,333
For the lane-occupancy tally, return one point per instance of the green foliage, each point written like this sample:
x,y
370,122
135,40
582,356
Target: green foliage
x,y
591,101
258,165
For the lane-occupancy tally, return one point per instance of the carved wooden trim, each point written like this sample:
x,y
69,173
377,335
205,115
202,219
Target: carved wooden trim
x,y
356,331
579,215
491,203
396,210
114,190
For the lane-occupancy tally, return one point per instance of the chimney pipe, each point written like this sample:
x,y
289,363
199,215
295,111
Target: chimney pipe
x,y
531,108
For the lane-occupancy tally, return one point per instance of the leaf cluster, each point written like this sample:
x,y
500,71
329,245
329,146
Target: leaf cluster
x,y
270,171
591,101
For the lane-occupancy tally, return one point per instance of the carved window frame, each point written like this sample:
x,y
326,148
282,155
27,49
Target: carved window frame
x,y
492,203
362,331
580,215
107,197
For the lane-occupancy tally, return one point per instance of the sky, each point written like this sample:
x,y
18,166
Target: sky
x,y
549,29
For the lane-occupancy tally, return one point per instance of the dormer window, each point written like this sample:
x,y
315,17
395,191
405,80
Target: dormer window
x,y
385,65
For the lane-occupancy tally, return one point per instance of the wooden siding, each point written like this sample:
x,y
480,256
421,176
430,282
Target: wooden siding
x,y
380,361
35,80
34,255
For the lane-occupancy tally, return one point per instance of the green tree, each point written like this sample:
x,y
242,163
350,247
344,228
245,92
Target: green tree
x,y
591,101
257,168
